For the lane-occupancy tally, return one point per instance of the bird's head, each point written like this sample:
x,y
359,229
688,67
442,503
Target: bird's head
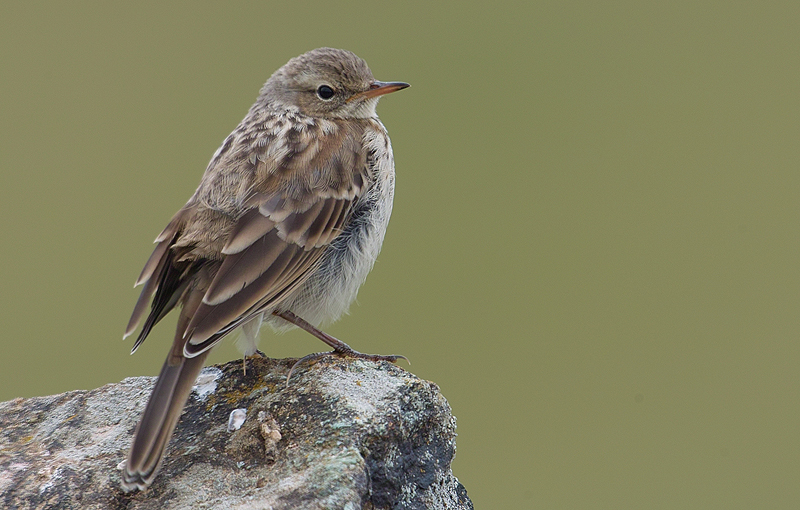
x,y
327,83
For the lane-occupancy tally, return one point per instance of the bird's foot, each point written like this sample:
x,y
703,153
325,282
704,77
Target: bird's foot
x,y
339,348
344,351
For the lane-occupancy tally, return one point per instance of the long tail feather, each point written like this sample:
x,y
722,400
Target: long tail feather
x,y
161,415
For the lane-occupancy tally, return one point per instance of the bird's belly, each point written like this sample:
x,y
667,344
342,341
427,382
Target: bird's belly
x,y
333,286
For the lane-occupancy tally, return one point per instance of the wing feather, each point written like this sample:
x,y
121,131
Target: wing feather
x,y
241,269
152,262
294,229
144,297
251,227
209,319
317,227
334,225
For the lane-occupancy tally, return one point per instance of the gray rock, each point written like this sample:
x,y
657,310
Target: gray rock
x,y
344,434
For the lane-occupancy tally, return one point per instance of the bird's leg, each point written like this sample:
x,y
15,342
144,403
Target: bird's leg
x,y
339,348
244,359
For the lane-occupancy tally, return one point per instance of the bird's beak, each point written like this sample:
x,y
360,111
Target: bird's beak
x,y
379,88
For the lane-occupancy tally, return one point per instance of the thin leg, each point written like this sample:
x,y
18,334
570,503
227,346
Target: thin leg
x,y
258,353
340,348
249,339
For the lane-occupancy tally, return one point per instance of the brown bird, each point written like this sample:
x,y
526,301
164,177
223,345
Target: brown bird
x,y
286,223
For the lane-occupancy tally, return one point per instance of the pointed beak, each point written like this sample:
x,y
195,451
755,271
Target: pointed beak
x,y
379,88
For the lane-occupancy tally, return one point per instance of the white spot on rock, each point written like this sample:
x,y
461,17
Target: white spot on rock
x,y
236,419
206,382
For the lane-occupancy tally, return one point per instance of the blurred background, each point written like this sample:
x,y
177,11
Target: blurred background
x,y
594,247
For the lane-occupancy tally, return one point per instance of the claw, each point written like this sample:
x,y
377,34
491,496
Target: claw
x,y
345,353
305,358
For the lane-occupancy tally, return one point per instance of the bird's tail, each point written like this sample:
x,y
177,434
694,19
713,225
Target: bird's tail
x,y
159,420
161,415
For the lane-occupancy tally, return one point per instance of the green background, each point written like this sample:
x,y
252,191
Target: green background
x,y
595,243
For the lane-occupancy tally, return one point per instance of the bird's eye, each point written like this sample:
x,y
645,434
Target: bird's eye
x,y
325,92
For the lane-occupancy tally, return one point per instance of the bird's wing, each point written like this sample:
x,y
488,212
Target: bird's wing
x,y
294,207
271,251
160,278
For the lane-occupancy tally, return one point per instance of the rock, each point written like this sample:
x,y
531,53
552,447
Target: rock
x,y
344,434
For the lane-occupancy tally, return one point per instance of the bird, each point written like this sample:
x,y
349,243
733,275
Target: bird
x,y
284,227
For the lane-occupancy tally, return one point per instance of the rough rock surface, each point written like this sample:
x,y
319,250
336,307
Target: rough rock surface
x,y
344,434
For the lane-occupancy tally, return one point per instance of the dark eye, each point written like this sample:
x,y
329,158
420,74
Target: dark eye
x,y
325,92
